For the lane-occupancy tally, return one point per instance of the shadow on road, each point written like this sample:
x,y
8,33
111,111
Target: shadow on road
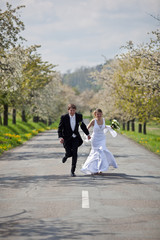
x,y
49,229
80,180
17,156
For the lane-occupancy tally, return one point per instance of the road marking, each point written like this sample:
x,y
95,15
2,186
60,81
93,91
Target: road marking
x,y
85,199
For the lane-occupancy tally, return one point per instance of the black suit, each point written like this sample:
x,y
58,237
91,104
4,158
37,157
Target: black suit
x,y
71,144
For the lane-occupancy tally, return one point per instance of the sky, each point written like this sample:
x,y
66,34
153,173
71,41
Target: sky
x,y
76,33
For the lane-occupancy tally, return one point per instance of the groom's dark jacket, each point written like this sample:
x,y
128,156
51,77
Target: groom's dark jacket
x,y
65,130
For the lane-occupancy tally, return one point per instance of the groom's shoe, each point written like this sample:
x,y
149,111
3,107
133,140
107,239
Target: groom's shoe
x,y
64,160
73,175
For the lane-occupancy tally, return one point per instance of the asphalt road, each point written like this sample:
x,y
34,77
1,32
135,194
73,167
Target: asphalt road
x,y
39,199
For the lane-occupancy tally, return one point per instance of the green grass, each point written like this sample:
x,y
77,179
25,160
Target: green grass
x,y
15,134
151,140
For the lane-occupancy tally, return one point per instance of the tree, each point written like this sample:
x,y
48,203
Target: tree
x,y
105,98
10,28
11,80
146,76
51,101
36,74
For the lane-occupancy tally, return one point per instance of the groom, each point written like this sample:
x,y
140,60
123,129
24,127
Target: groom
x,y
69,134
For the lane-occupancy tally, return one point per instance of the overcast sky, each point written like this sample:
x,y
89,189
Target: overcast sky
x,y
75,33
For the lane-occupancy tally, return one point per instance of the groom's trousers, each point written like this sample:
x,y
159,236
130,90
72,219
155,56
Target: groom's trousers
x,y
71,148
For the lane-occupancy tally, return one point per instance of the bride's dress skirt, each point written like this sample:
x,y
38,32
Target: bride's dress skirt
x,y
98,161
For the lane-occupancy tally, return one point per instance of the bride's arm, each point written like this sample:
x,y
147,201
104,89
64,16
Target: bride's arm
x,y
111,130
91,124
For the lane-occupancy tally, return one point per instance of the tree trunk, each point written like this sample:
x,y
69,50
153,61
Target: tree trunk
x,y
140,128
5,116
128,125
49,122
133,125
144,128
124,125
23,116
36,119
0,119
44,121
14,116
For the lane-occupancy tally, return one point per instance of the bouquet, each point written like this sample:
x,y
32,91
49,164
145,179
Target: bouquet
x,y
115,124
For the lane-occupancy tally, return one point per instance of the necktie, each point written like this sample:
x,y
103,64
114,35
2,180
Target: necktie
x,y
72,123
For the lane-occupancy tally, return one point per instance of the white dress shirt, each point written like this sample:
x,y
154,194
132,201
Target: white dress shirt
x,y
73,123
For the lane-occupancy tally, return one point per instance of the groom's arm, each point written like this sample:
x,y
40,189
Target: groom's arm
x,y
83,126
61,127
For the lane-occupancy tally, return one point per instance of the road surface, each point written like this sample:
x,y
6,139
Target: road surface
x,y
39,199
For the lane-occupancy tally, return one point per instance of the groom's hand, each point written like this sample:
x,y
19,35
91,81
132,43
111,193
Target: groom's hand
x,y
89,137
61,140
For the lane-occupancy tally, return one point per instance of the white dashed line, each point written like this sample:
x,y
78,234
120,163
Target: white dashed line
x,y
85,199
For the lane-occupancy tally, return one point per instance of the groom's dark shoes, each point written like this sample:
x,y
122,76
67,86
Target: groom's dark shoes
x,y
64,160
73,175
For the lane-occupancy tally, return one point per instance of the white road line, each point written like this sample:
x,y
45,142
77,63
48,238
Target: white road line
x,y
85,199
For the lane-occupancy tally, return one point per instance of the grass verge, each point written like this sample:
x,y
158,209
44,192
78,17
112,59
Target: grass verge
x,y
151,140
15,134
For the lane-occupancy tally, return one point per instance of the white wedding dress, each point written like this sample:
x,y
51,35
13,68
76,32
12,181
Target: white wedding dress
x,y
100,158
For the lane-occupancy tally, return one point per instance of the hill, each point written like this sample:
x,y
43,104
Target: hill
x,y
80,79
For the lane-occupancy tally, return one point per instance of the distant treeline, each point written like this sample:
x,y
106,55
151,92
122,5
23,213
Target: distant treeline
x,y
81,79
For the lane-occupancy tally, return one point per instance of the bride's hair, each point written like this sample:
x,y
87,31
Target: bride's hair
x,y
96,111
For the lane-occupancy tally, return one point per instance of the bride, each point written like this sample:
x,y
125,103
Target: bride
x,y
100,158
